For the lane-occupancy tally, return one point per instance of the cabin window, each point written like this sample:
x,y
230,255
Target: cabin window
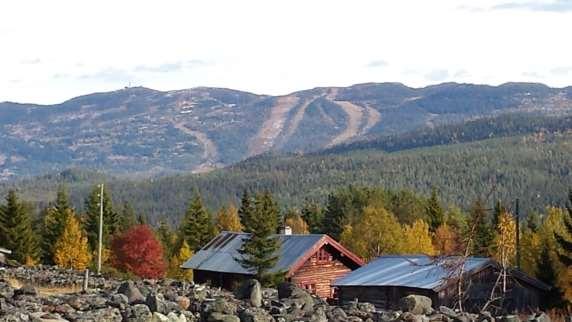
x,y
324,256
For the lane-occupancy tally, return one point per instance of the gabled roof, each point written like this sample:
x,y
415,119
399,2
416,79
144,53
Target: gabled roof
x,y
220,253
420,271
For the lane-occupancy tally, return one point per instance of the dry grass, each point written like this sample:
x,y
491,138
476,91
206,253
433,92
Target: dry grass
x,y
45,291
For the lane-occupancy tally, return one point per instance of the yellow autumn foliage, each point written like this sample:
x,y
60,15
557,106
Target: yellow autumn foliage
x,y
377,232
71,249
530,248
227,219
416,239
298,224
505,240
181,256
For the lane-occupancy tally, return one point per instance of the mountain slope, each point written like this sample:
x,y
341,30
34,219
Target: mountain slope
x,y
535,168
143,131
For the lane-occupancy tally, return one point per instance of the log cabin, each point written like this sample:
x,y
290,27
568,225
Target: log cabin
x,y
312,262
387,279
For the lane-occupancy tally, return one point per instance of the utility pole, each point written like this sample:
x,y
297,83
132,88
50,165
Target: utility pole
x,y
517,212
100,230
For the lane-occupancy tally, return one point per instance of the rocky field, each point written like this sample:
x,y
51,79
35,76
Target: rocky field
x,y
48,294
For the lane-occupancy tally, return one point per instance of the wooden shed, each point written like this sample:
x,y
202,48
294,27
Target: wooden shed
x,y
312,262
387,279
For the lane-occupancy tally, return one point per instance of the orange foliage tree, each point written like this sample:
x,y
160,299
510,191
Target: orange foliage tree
x,y
138,251
446,240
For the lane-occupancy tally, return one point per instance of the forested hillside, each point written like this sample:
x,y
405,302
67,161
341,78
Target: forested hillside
x,y
535,168
470,131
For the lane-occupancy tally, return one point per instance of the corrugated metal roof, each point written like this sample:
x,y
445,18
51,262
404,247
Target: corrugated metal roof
x,y
220,253
417,271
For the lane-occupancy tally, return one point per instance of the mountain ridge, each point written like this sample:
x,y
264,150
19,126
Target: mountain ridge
x,y
146,131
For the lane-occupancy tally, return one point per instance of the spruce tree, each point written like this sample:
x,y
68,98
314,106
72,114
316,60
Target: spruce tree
x,y
259,252
480,230
246,209
54,220
197,227
111,222
335,216
434,211
565,255
16,231
313,215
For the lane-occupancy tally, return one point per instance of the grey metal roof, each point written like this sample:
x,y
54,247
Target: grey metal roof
x,y
220,253
418,271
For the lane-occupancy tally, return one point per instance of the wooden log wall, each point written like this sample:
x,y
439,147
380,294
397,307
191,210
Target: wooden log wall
x,y
318,274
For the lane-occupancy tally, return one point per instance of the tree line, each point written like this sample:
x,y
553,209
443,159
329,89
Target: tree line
x,y
370,221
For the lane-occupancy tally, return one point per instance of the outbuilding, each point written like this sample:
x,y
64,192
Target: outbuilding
x,y
387,279
312,262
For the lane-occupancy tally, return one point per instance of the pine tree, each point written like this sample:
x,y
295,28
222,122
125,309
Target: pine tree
x,y
565,255
183,254
71,249
197,228
246,209
417,239
227,219
111,223
16,231
480,230
434,211
313,215
259,250
53,223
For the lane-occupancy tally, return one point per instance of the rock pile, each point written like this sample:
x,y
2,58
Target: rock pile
x,y
177,301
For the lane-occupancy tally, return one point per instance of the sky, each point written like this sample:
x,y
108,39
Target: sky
x,y
51,51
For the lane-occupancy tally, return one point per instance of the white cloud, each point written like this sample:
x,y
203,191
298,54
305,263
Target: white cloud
x,y
271,47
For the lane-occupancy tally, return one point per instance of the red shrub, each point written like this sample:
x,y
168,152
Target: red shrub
x,y
139,252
